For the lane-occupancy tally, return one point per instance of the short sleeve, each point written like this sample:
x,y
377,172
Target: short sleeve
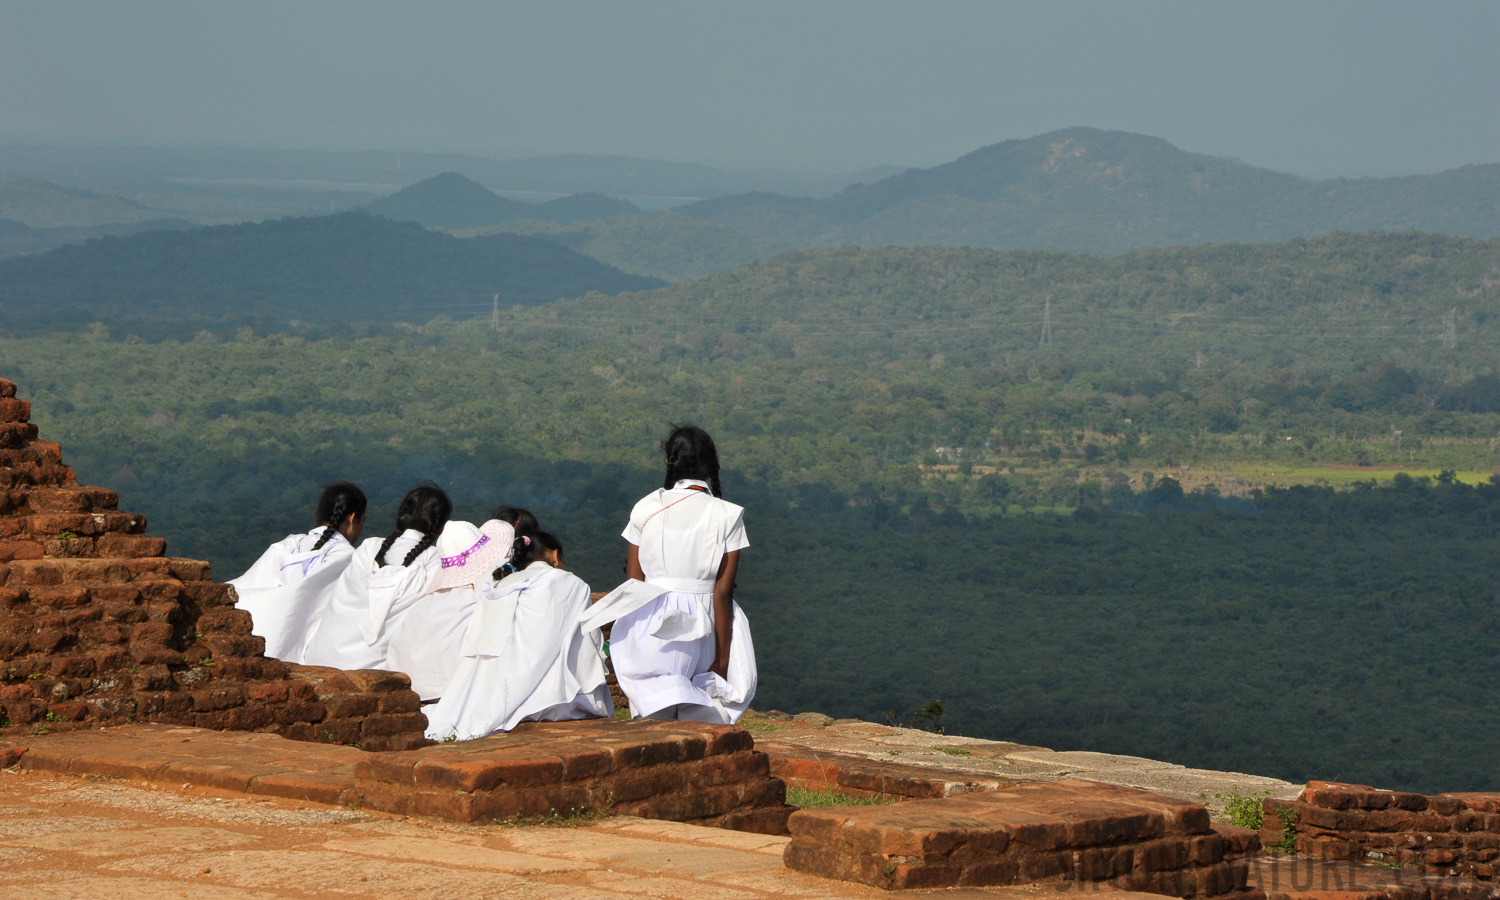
x,y
736,539
638,517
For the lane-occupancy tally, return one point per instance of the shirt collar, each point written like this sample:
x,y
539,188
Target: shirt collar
x,y
685,484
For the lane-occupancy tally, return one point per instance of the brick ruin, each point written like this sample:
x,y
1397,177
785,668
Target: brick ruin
x,y
1447,834
98,627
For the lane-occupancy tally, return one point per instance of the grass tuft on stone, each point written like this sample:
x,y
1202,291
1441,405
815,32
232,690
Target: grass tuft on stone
x,y
814,798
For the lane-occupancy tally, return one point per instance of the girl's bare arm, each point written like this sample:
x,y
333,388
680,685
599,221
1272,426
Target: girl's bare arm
x,y
724,612
633,563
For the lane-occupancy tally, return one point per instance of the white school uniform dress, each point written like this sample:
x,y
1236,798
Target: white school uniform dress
x,y
368,603
426,644
662,642
288,587
524,659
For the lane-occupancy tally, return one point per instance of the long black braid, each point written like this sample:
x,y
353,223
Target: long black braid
x,y
424,508
339,501
691,454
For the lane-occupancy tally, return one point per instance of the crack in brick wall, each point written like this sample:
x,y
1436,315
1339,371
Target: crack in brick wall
x,y
99,627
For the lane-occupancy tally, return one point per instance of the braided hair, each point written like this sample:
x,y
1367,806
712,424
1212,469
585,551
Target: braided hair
x,y
691,454
527,549
339,501
425,508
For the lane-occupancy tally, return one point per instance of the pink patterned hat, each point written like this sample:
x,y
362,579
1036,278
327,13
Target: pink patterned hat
x,y
470,555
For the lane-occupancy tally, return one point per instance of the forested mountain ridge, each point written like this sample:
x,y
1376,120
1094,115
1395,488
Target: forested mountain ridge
x,y
328,269
1109,191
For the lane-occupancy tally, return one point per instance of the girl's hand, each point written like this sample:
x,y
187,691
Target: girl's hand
x,y
720,667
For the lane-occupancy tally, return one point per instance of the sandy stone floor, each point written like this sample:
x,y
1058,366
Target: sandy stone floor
x,y
63,837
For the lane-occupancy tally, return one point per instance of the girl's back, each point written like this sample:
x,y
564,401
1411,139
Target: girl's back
x,y
287,589
524,659
683,533
368,602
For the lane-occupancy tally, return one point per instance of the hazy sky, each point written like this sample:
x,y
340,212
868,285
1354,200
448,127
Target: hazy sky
x,y
1331,88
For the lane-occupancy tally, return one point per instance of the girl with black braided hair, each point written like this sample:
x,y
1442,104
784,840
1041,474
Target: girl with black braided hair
x,y
384,579
680,644
288,587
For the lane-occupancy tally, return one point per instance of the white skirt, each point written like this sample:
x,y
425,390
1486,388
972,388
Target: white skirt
x,y
658,673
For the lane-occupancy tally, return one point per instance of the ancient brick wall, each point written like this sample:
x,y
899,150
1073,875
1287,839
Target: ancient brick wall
x,y
1449,834
98,627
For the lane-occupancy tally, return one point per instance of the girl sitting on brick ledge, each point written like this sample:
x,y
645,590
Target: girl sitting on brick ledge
x,y
380,585
288,588
524,658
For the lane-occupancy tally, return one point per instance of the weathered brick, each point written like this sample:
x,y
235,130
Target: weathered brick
x,y
208,594
400,702
228,645
13,410
152,678
376,681
294,711
219,720
71,499
218,698
112,595
104,633
147,655
226,621
341,731
10,550
23,712
160,633
61,597
349,706
112,661
73,666
254,716
47,641
270,692
380,725
129,545
71,711
190,569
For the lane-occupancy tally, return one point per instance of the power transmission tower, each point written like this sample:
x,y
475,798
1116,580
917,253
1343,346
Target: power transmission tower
x,y
1450,329
1047,326
495,316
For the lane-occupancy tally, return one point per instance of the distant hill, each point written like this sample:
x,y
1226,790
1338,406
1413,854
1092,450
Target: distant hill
x,y
328,269
586,207
1110,191
41,204
450,200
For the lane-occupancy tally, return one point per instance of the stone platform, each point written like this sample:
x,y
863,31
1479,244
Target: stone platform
x,y
864,759
680,771
1091,834
63,838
